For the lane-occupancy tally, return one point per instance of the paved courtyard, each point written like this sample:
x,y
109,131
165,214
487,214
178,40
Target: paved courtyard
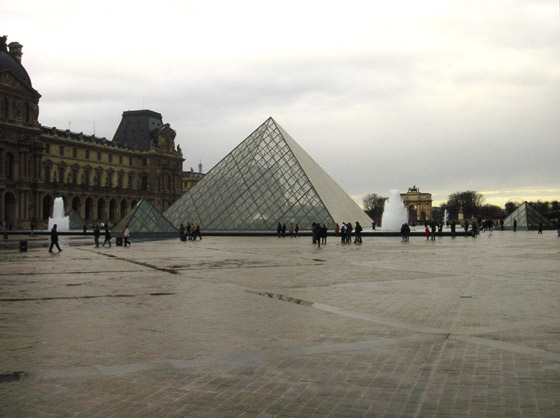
x,y
268,327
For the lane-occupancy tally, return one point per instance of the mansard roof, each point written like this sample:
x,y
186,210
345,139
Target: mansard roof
x,y
137,128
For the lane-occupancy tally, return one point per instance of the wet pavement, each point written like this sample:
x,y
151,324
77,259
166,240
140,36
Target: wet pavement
x,y
276,327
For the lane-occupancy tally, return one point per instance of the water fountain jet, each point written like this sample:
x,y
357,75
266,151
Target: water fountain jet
x,y
394,213
62,222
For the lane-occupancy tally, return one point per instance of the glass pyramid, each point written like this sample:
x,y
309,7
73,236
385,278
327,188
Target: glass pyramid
x,y
527,217
144,217
266,179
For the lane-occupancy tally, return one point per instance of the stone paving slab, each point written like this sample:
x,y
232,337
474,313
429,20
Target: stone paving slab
x,y
268,327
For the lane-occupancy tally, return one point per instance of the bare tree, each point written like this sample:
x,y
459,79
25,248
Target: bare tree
x,y
374,205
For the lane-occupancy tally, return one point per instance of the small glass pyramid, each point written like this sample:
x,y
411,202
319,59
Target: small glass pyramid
x,y
266,179
144,217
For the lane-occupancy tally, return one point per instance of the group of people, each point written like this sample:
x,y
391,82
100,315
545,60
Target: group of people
x,y
281,230
405,232
190,232
96,236
319,233
107,235
345,232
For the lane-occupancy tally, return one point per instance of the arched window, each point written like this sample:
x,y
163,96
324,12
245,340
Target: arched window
x,y
9,167
4,108
26,112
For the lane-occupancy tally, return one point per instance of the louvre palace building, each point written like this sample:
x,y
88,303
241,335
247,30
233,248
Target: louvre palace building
x,y
100,179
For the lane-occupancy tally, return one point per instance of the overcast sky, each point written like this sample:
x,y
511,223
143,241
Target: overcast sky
x,y
447,95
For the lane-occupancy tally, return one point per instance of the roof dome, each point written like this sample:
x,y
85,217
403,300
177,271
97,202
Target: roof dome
x,y
11,60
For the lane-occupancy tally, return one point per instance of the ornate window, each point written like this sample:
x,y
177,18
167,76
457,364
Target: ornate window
x,y
26,112
4,108
9,167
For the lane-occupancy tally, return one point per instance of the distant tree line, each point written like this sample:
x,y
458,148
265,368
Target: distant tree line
x,y
472,204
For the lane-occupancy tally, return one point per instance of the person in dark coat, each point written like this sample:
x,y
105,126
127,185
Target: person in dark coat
x,y
406,232
358,230
324,234
279,229
283,230
96,234
107,237
349,230
54,239
197,233
316,232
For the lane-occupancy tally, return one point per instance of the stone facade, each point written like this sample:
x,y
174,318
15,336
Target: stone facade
x,y
418,205
99,178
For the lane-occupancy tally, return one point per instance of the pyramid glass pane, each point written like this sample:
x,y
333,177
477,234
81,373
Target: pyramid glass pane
x,y
266,179
144,217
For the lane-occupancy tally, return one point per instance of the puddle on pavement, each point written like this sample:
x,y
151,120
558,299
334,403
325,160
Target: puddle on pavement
x,y
12,376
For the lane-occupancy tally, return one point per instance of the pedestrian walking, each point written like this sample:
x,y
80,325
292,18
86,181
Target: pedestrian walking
x,y
96,234
54,239
107,237
540,228
291,230
427,233
316,232
126,235
358,230
324,234
197,233
297,230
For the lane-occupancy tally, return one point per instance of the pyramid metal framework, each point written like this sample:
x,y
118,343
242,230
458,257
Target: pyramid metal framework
x,y
527,218
144,218
266,179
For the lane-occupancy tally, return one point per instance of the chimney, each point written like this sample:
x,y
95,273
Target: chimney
x,y
15,50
